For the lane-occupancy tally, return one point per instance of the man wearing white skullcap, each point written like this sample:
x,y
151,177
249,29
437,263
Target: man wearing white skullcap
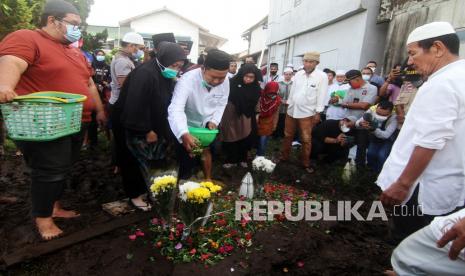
x,y
426,168
333,100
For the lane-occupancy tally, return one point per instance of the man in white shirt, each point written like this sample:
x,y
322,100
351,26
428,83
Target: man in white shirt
x,y
306,101
335,111
428,157
199,100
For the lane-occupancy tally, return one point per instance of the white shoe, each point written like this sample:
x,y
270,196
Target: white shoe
x,y
296,144
244,165
228,165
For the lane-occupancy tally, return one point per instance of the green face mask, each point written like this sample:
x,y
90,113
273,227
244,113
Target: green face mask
x,y
167,72
206,85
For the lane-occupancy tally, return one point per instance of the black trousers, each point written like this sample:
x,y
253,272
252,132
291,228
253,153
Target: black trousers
x,y
50,163
131,175
236,151
361,140
407,218
334,152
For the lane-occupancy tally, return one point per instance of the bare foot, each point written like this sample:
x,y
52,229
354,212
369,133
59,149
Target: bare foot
x,y
47,228
390,273
59,212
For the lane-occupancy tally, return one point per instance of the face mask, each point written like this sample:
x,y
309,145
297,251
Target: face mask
x,y
373,69
139,54
100,58
380,118
344,128
167,72
355,85
73,33
366,77
206,85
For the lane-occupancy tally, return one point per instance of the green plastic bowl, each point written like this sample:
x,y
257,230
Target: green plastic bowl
x,y
204,135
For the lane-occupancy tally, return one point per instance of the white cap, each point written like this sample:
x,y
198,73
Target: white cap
x,y
290,65
430,30
133,38
340,72
288,70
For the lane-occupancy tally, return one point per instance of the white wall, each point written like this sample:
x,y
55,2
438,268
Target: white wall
x,y
374,40
257,39
164,22
286,20
340,44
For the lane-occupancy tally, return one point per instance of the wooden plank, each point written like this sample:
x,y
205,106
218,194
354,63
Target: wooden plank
x,y
36,250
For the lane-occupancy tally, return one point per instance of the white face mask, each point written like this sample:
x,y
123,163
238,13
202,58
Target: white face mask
x,y
366,77
380,118
344,128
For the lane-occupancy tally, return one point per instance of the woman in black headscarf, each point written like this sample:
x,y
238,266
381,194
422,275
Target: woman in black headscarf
x,y
239,116
141,112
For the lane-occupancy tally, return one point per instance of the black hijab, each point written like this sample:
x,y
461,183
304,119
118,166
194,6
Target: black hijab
x,y
146,94
245,97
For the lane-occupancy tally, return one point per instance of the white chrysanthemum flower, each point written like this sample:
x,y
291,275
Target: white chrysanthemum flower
x,y
186,188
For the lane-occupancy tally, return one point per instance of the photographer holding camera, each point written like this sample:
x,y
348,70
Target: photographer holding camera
x,y
382,125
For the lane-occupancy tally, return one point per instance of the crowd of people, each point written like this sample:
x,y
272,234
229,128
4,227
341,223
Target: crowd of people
x,y
150,100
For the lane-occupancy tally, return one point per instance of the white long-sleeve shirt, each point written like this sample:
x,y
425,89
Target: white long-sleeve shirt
x,y
193,105
308,94
436,120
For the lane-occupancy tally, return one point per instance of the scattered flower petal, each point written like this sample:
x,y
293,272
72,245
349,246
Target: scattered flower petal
x,y
132,237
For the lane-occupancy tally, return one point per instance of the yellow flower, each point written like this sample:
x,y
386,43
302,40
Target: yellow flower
x,y
198,195
212,187
163,183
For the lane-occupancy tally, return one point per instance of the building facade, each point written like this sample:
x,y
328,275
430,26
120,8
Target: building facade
x,y
345,32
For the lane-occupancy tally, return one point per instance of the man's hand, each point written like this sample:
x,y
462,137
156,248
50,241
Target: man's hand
x,y
341,139
400,119
364,124
189,142
211,126
457,235
395,194
7,94
316,118
334,100
101,118
151,137
393,75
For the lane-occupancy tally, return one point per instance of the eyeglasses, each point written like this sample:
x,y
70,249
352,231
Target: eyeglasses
x,y
75,27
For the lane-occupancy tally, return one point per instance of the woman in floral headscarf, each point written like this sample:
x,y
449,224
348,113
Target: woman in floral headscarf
x,y
269,114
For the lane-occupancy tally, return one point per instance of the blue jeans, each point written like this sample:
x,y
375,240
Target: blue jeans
x,y
262,145
377,154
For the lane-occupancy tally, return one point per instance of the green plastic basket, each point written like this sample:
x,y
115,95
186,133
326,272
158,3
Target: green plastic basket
x,y
43,116
204,135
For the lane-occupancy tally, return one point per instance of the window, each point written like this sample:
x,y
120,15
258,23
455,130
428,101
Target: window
x,y
461,34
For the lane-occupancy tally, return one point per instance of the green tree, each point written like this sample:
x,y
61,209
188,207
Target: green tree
x,y
18,14
94,42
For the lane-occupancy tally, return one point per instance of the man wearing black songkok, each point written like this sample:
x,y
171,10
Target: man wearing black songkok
x,y
199,100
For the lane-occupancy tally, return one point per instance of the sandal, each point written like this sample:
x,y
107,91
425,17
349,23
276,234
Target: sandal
x,y
309,170
145,208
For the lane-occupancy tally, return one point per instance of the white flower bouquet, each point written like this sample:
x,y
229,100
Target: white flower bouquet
x,y
262,169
